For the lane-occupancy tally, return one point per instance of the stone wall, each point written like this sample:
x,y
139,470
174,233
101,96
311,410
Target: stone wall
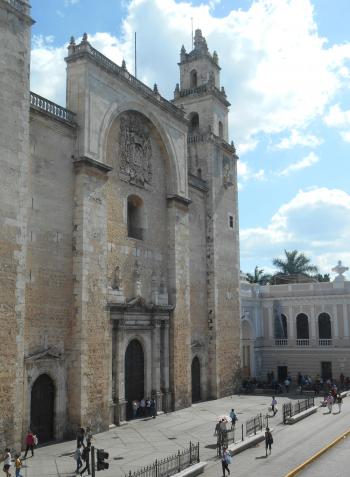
x,y
14,147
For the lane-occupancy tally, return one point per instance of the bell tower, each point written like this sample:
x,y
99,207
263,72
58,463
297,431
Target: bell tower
x,y
212,168
199,91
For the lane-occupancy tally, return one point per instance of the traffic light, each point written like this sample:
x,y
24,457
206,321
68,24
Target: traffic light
x,y
101,456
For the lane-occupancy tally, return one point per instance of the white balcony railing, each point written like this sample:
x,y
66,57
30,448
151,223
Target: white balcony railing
x,y
281,342
303,342
325,342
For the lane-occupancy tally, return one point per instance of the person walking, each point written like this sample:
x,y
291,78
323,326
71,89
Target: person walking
x,y
85,455
268,440
18,465
339,402
30,442
80,437
225,461
7,462
330,401
77,458
88,436
153,408
273,405
234,418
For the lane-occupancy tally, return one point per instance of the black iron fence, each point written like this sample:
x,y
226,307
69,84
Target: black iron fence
x,y
290,409
170,465
239,432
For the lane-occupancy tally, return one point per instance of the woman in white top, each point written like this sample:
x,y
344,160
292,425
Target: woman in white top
x,y
7,462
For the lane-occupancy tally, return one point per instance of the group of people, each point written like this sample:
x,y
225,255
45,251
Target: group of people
x,y
334,397
82,452
226,457
31,442
144,408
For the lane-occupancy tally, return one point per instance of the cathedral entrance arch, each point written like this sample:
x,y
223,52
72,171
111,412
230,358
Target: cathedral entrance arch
x,y
42,408
196,380
134,375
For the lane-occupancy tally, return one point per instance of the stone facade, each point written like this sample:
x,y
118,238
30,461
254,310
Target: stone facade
x,y
297,327
119,241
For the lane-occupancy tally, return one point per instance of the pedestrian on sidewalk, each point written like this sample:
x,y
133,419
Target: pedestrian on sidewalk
x,y
268,440
225,461
80,437
88,436
273,405
85,455
339,402
234,418
77,458
30,442
7,462
330,403
153,408
18,465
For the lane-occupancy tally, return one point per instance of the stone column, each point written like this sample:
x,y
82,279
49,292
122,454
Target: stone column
x,y
156,362
312,327
179,286
335,323
270,323
120,408
291,327
346,322
165,366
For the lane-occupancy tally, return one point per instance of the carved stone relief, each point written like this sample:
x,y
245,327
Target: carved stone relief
x,y
135,151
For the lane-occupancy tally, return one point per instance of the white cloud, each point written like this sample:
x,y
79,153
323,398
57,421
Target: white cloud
x,y
245,173
278,72
336,117
298,139
68,3
307,161
314,222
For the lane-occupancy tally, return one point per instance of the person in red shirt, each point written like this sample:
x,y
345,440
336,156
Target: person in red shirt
x,y
29,444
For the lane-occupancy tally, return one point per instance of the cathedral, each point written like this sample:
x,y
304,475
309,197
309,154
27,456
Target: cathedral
x,y
119,246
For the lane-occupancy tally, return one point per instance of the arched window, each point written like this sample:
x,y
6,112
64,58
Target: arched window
x,y
281,331
302,327
194,120
193,79
135,217
221,129
324,327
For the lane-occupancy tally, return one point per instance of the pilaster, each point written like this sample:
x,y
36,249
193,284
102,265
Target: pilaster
x,y
179,285
90,335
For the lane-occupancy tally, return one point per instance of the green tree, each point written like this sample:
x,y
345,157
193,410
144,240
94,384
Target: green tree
x,y
295,263
322,278
259,276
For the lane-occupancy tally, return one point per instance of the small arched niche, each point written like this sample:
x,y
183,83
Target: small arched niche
x,y
221,130
194,121
135,217
193,79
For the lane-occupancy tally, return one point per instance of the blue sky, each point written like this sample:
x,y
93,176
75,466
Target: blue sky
x,y
286,70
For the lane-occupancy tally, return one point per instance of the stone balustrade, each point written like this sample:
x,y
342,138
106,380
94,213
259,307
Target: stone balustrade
x,y
84,48
53,109
208,136
18,5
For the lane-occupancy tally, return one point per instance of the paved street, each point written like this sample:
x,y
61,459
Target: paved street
x,y
140,442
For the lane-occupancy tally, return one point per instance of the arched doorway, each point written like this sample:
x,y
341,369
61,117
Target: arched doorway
x,y
134,375
196,380
42,408
302,327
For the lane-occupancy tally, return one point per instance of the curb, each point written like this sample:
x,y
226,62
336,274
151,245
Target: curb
x,y
318,454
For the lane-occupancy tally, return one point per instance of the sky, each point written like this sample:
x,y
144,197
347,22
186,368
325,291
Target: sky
x,y
286,71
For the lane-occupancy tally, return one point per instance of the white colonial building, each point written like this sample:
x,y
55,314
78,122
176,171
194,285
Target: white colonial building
x,y
296,327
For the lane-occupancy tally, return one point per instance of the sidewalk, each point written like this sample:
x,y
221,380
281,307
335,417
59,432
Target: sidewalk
x,y
140,442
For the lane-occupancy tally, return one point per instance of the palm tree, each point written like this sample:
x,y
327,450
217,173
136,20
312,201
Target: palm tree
x,y
259,276
296,263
